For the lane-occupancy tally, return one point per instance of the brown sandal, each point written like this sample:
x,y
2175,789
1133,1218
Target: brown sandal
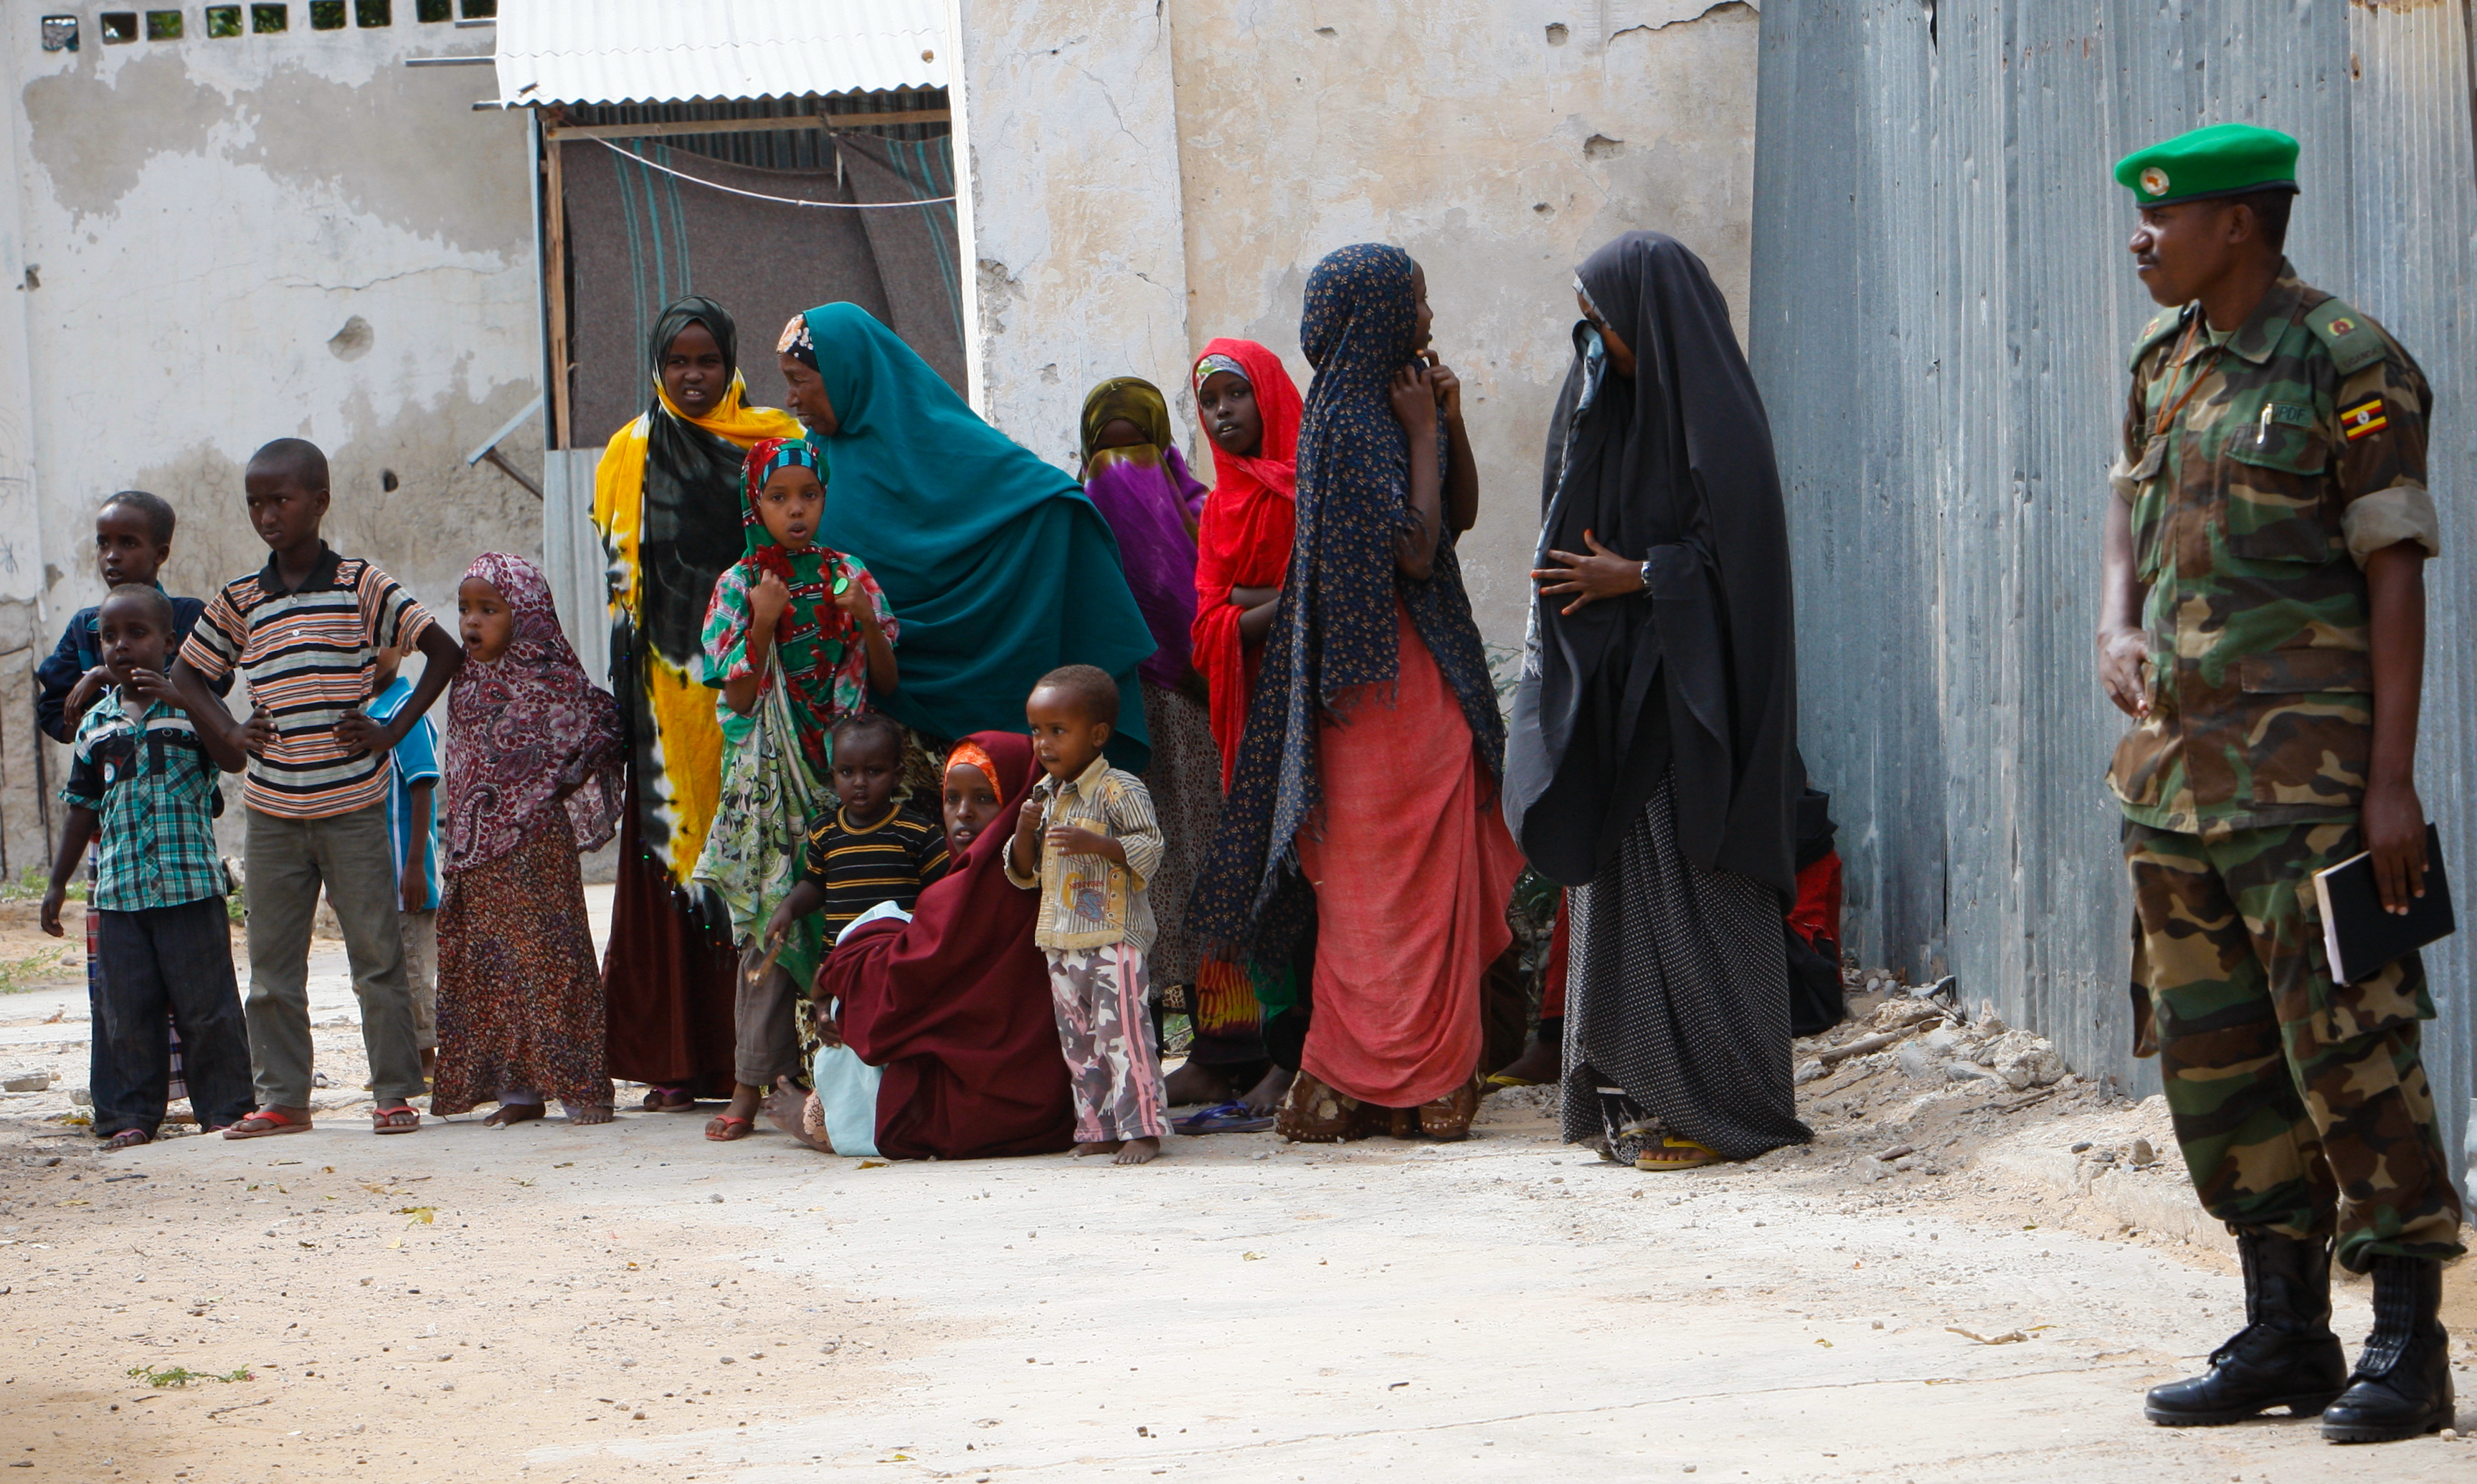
x,y
1448,1119
1313,1113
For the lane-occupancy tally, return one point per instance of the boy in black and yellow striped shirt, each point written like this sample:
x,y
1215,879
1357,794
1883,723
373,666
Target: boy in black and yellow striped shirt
x,y
867,851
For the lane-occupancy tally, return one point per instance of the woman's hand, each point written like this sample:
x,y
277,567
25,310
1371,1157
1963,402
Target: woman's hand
x,y
766,602
1415,405
821,1015
1602,574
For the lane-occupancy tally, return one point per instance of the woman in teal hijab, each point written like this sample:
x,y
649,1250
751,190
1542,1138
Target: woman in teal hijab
x,y
1000,566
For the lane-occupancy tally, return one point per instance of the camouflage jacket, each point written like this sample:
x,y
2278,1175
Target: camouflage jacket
x,y
2262,473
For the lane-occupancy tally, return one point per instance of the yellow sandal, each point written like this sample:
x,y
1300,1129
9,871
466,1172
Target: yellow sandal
x,y
1692,1156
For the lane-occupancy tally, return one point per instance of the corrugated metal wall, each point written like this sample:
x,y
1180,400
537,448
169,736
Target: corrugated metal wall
x,y
1941,308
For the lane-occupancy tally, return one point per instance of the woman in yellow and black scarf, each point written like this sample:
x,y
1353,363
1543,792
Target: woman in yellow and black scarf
x,y
666,503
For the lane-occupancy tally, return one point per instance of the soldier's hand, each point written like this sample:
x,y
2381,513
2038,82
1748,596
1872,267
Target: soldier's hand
x,y
2395,826
2122,652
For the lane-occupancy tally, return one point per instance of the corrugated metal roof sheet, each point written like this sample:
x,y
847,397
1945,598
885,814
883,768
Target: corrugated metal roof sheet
x,y
678,51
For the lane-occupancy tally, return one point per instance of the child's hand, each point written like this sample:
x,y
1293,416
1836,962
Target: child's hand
x,y
415,894
1447,388
854,601
1027,820
52,900
779,925
1415,405
150,686
1076,840
362,734
82,695
259,735
767,603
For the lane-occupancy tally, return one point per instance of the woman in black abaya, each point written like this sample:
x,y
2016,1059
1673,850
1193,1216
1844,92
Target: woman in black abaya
x,y
1652,765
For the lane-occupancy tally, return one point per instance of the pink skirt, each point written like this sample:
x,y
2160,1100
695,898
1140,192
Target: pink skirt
x,y
1421,867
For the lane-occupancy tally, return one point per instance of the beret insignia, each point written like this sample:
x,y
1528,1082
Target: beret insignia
x,y
2154,181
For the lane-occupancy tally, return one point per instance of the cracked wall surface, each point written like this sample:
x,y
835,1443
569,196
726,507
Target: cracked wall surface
x,y
216,242
1498,142
1076,195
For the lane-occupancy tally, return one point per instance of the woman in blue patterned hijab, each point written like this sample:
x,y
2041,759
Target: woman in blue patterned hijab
x,y
1373,747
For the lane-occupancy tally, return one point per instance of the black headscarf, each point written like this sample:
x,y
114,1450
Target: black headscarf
x,y
1675,464
691,527
1334,629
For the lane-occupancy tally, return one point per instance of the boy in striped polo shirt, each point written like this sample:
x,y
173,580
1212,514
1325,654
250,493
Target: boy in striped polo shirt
x,y
306,631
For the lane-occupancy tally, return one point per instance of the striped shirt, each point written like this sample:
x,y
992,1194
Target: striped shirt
x,y
152,788
308,655
888,861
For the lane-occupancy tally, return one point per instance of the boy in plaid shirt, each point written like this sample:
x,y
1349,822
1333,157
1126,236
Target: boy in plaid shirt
x,y
142,783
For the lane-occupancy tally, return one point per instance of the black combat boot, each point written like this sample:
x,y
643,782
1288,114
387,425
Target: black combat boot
x,y
2286,1355
2402,1385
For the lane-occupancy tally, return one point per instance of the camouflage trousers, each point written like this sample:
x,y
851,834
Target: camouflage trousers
x,y
2301,1107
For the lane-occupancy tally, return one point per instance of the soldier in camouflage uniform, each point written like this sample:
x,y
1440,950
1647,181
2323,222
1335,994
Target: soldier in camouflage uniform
x,y
2264,627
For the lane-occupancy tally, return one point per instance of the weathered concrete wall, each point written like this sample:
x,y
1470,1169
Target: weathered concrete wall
x,y
1499,144
238,239
1074,165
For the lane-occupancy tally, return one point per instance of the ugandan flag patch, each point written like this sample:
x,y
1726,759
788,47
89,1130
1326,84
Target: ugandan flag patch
x,y
2363,420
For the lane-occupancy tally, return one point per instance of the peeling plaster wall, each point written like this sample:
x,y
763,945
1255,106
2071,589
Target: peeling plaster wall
x,y
1498,142
246,238
1075,212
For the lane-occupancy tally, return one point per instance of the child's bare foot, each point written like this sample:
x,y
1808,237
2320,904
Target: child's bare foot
x,y
787,1108
1266,1096
510,1114
1104,1147
585,1112
1137,1152
1194,1085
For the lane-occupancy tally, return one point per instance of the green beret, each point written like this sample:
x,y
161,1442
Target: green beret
x,y
2224,159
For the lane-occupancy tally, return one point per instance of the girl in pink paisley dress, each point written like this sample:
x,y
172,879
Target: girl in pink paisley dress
x,y
534,777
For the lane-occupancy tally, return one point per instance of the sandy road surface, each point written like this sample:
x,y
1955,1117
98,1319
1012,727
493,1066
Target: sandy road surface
x,y
634,1303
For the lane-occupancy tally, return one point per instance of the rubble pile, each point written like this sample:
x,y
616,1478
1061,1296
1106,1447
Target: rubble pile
x,y
1925,1035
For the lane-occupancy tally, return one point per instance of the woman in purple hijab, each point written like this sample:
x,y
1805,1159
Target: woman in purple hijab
x,y
1134,474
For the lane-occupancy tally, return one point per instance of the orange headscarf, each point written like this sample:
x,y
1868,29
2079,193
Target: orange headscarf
x,y
971,755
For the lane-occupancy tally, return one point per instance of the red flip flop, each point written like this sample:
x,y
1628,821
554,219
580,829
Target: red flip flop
x,y
728,1122
270,1121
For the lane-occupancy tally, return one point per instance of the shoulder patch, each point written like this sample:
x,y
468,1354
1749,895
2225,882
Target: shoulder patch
x,y
2354,341
2165,323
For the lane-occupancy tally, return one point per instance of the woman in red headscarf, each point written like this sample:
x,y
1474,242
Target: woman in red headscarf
x,y
1250,411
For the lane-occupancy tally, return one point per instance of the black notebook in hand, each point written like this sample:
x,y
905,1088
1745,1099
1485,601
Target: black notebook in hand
x,y
2357,934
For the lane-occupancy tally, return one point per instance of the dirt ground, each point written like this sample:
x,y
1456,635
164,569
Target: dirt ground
x,y
631,1302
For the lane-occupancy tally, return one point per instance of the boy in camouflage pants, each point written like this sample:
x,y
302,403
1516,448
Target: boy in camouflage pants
x,y
2264,623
